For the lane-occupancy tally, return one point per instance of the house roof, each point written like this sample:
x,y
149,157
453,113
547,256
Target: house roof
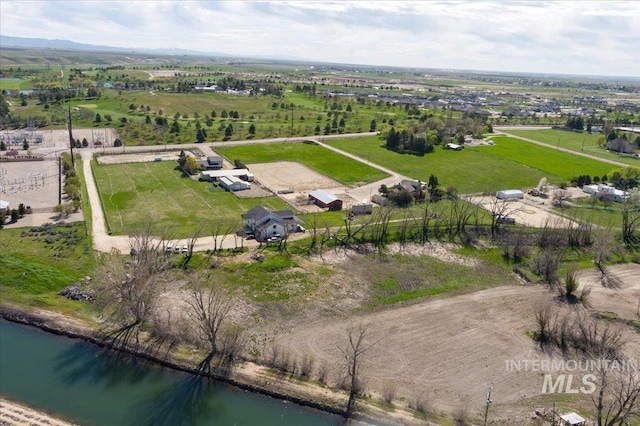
x,y
573,419
4,204
410,185
323,196
259,212
255,213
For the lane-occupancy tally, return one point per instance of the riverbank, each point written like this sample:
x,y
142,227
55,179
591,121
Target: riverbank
x,y
246,375
14,414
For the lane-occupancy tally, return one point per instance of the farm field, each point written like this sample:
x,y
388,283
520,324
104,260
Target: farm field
x,y
468,170
136,194
574,141
555,164
345,170
15,84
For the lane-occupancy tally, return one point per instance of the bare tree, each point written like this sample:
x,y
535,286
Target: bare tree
x,y
191,244
209,308
128,291
499,210
603,245
357,345
617,400
630,216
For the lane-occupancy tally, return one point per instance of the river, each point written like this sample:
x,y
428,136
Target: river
x,y
88,385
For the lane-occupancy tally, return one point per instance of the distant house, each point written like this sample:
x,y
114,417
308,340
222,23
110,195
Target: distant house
x,y
213,162
325,200
4,206
265,224
413,186
620,145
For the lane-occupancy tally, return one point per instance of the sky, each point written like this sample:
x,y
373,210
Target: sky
x,y
556,37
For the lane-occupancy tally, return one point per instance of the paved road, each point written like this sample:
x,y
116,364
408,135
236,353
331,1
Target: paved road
x,y
504,131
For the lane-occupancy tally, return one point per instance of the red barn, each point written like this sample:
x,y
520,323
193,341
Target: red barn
x,y
325,200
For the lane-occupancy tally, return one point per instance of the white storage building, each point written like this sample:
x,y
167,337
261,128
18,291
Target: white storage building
x,y
510,194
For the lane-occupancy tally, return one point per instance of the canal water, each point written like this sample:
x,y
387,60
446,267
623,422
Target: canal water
x,y
87,385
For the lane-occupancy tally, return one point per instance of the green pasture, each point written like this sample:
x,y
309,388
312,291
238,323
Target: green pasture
x,y
38,262
555,164
469,170
15,84
575,141
329,163
136,194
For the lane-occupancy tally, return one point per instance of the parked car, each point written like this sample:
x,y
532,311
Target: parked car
x,y
169,248
185,249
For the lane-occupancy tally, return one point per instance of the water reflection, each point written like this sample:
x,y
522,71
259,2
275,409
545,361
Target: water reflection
x,y
178,402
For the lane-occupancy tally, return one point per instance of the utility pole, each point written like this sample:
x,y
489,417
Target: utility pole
x,y
59,180
71,141
489,401
291,131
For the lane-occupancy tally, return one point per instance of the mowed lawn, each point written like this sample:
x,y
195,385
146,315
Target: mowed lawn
x,y
574,141
336,166
469,170
136,194
554,163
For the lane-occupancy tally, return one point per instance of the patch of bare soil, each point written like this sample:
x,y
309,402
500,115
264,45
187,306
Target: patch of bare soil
x,y
14,414
451,349
455,348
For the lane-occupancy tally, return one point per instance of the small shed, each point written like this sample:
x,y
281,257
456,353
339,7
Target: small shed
x,y
325,200
573,419
4,206
362,208
510,194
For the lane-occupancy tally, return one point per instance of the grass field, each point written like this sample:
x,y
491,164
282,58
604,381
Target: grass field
x,y
15,84
582,142
329,163
469,170
37,262
136,194
553,163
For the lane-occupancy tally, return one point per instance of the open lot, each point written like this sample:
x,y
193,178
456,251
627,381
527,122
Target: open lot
x,y
454,348
333,165
574,141
133,194
284,176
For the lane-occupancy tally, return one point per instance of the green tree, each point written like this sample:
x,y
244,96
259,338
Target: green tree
x,y
98,118
4,106
432,185
200,137
252,129
3,146
228,131
175,127
25,145
14,215
372,126
85,142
